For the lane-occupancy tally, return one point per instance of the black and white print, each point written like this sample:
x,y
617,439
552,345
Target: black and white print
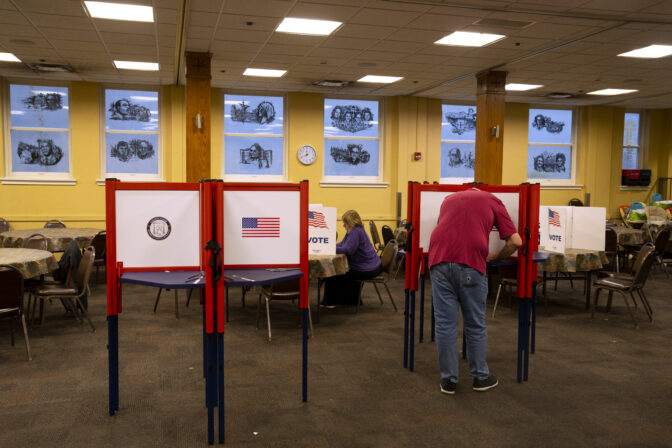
x,y
124,109
256,155
545,122
462,122
353,154
550,162
125,150
351,118
264,113
44,101
458,159
45,153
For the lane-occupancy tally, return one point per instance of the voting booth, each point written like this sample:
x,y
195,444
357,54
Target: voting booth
x,y
565,227
423,206
321,230
204,235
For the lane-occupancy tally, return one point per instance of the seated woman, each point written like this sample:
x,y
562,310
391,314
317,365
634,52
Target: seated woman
x,y
362,258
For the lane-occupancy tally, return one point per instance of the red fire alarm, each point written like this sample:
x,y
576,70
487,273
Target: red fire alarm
x,y
417,156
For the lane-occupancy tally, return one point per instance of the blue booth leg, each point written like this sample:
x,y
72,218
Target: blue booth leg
x,y
406,298
421,330
113,362
411,335
304,370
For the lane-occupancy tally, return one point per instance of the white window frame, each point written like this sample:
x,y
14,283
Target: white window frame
x,y
132,177
34,178
576,120
356,181
255,177
455,180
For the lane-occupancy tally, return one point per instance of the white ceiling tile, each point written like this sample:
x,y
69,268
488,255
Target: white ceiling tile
x,y
120,26
416,35
267,8
440,22
295,39
346,42
242,35
95,45
364,31
203,19
382,17
398,46
258,23
62,7
13,17
87,35
61,21
206,5
200,32
128,39
306,10
167,16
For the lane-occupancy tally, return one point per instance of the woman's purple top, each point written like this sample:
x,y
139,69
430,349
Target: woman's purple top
x,y
359,250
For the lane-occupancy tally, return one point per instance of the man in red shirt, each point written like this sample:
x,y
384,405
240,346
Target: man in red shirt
x,y
458,252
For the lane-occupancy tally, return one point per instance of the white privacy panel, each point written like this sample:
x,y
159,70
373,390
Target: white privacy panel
x,y
157,228
430,206
261,227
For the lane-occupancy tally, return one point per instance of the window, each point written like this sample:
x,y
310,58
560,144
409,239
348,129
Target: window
x,y
458,143
351,141
254,138
631,141
550,155
131,148
39,135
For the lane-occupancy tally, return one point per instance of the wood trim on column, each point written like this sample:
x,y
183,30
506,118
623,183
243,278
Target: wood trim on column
x,y
490,103
198,102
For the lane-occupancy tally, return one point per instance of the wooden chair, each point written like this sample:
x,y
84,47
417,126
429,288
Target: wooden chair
x,y
375,236
387,259
11,300
287,290
4,225
628,285
54,223
67,292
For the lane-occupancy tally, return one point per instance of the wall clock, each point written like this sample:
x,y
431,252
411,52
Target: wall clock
x,y
306,154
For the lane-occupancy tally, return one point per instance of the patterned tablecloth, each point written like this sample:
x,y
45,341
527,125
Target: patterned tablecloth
x,y
628,236
58,238
31,262
574,260
321,266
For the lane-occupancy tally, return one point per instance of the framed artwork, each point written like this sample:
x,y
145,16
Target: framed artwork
x,y
131,137
254,138
38,137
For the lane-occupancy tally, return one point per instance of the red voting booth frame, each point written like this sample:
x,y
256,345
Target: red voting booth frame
x,y
211,243
416,262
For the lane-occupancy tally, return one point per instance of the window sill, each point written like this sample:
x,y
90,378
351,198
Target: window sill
x,y
132,179
354,184
632,188
33,181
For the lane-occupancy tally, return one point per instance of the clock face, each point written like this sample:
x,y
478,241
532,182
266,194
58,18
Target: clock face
x,y
306,154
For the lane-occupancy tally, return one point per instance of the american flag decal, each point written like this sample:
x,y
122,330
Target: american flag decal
x,y
553,218
316,219
261,227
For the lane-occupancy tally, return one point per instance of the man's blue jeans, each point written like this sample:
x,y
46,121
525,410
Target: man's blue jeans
x,y
453,284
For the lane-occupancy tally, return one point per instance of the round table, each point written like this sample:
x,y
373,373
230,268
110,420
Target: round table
x,y
58,238
31,262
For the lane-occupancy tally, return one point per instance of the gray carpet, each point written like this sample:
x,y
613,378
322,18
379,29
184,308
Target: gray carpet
x,y
592,383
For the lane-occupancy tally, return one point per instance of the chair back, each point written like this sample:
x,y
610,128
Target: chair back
x,y
388,234
610,240
389,255
4,225
643,272
641,256
374,235
508,271
11,288
288,289
84,270
36,241
54,223
662,237
656,197
576,202
98,243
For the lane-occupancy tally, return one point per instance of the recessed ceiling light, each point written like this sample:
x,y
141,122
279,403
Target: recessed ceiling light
x,y
120,11
652,51
380,79
467,39
8,57
611,92
307,26
264,72
522,87
132,65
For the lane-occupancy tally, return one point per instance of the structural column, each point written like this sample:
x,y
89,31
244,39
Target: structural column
x,y
198,116
490,102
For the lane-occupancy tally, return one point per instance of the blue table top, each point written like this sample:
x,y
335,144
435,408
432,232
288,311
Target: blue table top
x,y
537,257
191,279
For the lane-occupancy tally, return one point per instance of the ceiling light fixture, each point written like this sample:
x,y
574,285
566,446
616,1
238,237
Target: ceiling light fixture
x,y
132,65
331,83
264,72
8,57
522,87
467,39
652,52
307,26
611,92
380,79
120,11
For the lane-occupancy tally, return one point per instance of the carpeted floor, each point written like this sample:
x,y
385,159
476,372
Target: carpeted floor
x,y
592,383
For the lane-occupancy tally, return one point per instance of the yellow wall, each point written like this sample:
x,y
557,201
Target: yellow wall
x,y
411,125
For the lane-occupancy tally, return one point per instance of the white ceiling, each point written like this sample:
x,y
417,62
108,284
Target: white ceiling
x,y
566,45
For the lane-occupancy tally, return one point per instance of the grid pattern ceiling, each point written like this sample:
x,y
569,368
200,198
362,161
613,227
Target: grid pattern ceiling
x,y
567,45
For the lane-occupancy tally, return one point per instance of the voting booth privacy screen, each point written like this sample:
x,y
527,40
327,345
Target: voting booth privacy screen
x,y
321,230
565,227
